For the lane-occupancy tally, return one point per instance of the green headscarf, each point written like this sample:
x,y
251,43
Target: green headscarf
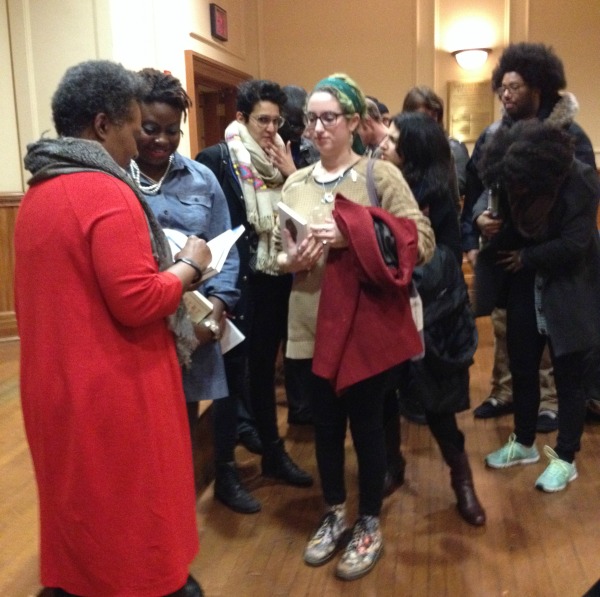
x,y
351,99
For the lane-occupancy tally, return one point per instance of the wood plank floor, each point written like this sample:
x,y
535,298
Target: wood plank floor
x,y
534,544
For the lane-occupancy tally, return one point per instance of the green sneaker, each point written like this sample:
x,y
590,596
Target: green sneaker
x,y
512,453
558,474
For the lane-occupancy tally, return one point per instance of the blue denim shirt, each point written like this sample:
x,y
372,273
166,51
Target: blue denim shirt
x,y
191,200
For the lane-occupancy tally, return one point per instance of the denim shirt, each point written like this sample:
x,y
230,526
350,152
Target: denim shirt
x,y
191,200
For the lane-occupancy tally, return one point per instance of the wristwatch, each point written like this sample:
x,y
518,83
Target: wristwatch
x,y
213,326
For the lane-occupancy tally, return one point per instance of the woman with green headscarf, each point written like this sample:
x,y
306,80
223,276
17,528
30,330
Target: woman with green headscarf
x,y
349,319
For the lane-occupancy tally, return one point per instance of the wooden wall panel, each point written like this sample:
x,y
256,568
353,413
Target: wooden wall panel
x,y
9,204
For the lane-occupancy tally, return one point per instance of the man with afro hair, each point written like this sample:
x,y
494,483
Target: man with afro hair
x,y
528,80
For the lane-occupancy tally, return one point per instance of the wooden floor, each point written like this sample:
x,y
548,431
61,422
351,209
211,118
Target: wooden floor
x,y
534,544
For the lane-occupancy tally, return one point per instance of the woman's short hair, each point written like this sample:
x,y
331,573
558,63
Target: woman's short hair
x,y
424,97
259,90
90,88
163,87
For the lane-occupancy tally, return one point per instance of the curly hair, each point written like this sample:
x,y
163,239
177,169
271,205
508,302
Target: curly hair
x,y
425,153
163,87
529,156
89,88
424,97
259,90
537,64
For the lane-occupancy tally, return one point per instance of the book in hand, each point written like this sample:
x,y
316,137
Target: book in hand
x,y
198,306
232,336
219,247
292,221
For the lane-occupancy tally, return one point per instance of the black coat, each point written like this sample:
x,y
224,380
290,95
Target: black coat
x,y
217,159
567,263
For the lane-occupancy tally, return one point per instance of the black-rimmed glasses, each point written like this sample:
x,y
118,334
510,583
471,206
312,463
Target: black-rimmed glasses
x,y
328,119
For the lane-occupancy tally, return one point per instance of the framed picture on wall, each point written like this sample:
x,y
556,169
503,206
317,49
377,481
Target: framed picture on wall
x,y
218,22
470,109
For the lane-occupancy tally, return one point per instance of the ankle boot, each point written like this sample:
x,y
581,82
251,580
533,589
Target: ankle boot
x,y
461,480
395,463
277,464
230,491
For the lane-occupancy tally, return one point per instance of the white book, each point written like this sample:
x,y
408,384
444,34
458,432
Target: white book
x,y
232,336
219,247
292,221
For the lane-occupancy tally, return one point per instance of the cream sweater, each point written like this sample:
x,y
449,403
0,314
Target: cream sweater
x,y
303,194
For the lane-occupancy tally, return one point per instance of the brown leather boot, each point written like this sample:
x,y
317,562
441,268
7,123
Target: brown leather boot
x,y
461,480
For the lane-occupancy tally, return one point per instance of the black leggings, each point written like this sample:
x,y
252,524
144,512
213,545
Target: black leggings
x,y
362,407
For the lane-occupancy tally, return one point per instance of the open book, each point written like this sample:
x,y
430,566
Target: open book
x,y
293,222
219,247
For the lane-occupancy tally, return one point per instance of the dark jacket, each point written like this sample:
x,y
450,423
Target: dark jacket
x,y
567,264
561,114
440,381
217,159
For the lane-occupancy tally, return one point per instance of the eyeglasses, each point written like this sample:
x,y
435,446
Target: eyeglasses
x,y
264,121
328,119
511,88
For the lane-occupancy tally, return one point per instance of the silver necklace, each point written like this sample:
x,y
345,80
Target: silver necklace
x,y
329,195
152,189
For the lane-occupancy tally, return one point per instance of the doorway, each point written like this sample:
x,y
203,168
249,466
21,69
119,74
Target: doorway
x,y
213,89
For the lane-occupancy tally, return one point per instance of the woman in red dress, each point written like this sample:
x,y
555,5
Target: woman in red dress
x,y
99,316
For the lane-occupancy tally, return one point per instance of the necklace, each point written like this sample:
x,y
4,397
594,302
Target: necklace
x,y
329,195
151,189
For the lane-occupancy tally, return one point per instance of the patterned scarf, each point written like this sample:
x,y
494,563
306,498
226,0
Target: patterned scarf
x,y
48,158
261,184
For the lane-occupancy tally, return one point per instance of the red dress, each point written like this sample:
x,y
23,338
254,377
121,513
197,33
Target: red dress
x,y
101,392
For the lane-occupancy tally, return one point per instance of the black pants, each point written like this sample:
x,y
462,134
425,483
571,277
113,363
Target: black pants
x,y
362,407
269,305
525,346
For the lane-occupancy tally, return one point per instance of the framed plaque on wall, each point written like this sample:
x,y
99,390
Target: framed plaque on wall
x,y
218,22
470,109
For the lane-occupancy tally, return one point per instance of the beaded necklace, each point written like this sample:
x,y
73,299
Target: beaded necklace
x,y
152,189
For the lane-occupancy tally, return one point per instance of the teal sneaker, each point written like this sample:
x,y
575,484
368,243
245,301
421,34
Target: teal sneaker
x,y
512,453
558,474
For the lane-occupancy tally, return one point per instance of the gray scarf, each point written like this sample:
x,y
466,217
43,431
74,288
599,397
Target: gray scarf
x,y
48,158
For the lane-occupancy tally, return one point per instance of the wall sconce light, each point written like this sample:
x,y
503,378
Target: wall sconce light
x,y
472,58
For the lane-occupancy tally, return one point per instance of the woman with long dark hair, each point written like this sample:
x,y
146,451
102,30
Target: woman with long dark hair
x,y
418,146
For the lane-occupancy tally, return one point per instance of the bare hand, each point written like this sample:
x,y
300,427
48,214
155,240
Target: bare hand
x,y
281,158
488,224
472,256
304,256
197,250
510,260
328,233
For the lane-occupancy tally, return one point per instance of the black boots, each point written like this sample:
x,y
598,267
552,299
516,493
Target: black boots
x,y
249,438
395,463
230,491
461,481
277,464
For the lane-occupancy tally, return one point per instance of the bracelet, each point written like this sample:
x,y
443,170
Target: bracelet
x,y
193,264
213,327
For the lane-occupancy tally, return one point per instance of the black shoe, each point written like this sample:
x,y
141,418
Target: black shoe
x,y
547,421
394,476
299,419
491,408
250,440
192,588
277,464
230,491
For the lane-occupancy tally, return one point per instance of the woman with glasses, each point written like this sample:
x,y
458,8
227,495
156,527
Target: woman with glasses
x,y
251,165
350,323
184,195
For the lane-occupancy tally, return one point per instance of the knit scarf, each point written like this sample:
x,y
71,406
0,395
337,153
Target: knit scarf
x,y
261,184
48,158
